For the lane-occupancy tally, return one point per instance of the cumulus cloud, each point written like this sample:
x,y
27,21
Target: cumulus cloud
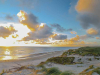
x,y
75,41
75,38
29,20
58,27
72,6
89,13
58,36
97,37
73,32
6,31
42,33
70,29
92,31
15,36
83,37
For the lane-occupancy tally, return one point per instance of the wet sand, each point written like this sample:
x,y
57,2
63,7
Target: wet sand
x,y
34,59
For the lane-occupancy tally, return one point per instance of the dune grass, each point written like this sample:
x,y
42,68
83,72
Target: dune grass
x,y
90,70
61,60
55,71
2,72
83,51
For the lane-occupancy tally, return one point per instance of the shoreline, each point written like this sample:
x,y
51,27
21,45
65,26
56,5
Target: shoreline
x,y
34,60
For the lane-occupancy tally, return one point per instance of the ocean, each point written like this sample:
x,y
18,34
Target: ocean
x,y
22,52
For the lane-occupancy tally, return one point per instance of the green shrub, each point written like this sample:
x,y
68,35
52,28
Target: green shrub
x,y
61,60
83,51
97,70
97,58
53,71
90,59
79,59
41,64
44,69
78,62
66,73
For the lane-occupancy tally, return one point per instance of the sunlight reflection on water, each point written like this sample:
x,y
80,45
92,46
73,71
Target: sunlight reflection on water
x,y
16,53
8,55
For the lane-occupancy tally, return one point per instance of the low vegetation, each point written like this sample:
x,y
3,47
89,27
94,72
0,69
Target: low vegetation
x,y
97,58
90,59
41,64
55,71
2,72
61,60
83,51
90,70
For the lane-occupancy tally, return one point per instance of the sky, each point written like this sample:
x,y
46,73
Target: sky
x,y
68,23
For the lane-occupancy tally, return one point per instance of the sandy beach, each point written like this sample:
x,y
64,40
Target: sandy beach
x,y
78,68
34,60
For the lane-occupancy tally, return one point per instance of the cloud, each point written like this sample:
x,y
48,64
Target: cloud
x,y
29,20
6,31
58,36
83,37
73,32
97,37
58,28
42,33
72,6
15,36
75,41
70,29
89,13
92,31
77,38
9,17
88,6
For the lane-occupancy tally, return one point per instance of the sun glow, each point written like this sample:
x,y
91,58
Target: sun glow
x,y
21,32
21,15
8,55
42,25
7,52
